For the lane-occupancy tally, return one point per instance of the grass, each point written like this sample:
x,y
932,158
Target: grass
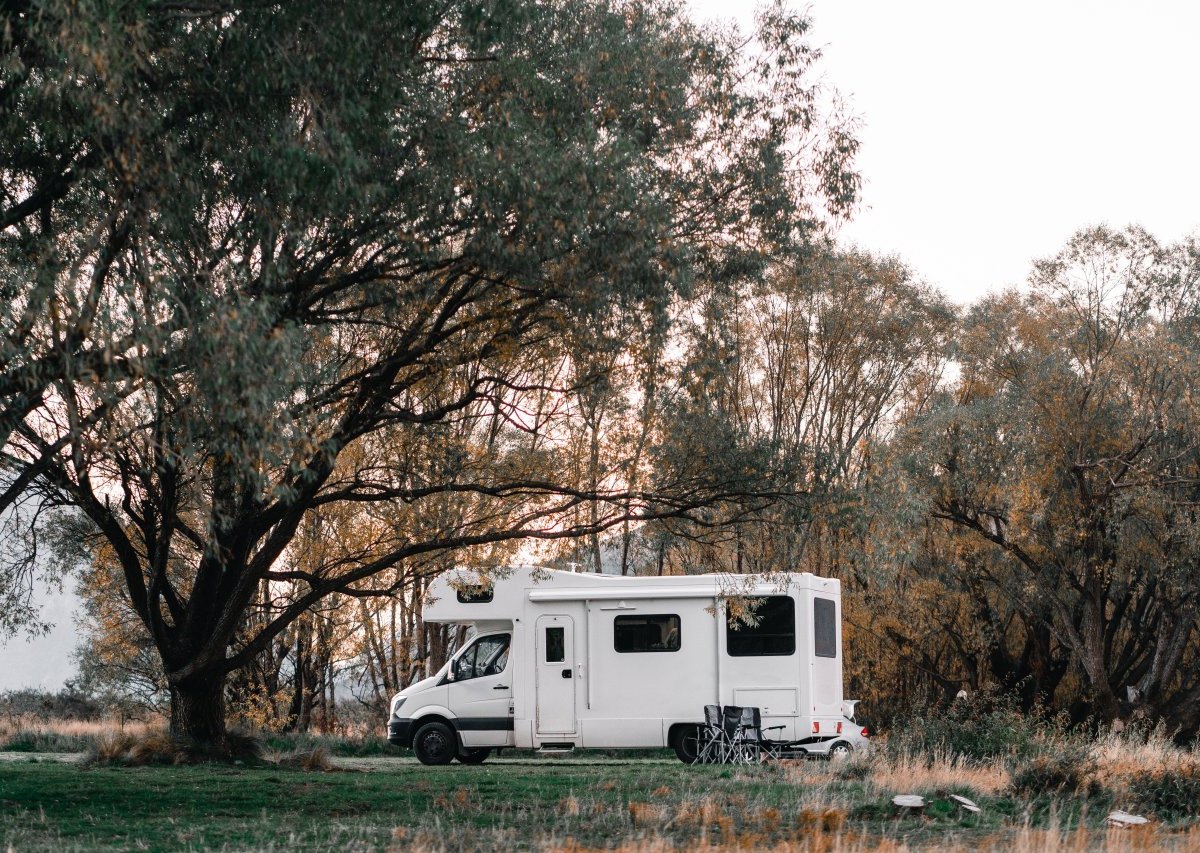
x,y
1048,790
576,803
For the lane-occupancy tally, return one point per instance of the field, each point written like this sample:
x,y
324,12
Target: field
x,y
578,802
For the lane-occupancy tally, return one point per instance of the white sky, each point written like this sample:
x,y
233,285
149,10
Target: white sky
x,y
992,132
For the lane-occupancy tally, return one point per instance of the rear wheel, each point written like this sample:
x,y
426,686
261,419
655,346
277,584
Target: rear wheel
x,y
473,756
435,743
839,751
687,744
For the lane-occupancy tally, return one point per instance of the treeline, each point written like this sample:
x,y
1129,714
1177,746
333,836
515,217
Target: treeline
x,y
303,305
1006,490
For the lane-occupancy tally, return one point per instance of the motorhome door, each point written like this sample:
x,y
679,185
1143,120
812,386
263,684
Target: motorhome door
x,y
556,674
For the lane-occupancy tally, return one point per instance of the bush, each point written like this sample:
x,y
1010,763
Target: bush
x,y
1063,771
67,704
40,741
979,728
346,747
159,747
1170,794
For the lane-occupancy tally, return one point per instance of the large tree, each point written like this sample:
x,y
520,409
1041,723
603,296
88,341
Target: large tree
x,y
1066,463
314,238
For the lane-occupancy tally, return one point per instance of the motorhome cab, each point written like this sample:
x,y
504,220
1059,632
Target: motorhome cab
x,y
562,660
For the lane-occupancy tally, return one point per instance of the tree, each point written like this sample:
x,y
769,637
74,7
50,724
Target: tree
x,y
794,366
318,232
1069,456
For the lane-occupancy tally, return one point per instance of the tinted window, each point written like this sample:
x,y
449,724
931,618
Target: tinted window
x,y
486,656
657,633
775,633
824,628
556,646
475,595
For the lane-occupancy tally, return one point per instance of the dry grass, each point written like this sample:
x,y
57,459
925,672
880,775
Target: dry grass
x,y
904,772
307,759
31,733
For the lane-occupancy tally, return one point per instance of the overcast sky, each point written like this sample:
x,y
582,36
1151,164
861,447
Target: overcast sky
x,y
990,133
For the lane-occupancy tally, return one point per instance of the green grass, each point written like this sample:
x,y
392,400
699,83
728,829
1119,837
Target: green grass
x,y
504,804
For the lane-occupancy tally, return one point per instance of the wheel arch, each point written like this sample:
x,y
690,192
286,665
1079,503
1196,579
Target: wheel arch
x,y
678,730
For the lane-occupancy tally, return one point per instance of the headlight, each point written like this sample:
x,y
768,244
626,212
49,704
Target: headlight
x,y
396,703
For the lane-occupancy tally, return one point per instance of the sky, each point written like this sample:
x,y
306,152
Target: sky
x,y
990,133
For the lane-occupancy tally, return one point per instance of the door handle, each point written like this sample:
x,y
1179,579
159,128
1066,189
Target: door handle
x,y
500,687
566,673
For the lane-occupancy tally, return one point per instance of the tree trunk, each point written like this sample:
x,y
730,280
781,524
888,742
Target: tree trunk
x,y
198,712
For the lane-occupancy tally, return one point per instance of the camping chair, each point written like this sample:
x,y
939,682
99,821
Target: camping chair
x,y
742,749
714,745
752,735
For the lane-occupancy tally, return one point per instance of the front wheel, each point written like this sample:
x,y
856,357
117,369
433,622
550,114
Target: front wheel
x,y
435,743
473,756
687,744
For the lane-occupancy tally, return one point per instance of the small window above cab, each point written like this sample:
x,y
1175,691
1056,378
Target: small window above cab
x,y
475,595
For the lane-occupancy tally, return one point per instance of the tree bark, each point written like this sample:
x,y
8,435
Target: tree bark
x,y
198,711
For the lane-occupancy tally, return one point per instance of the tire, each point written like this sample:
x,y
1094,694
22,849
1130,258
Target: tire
x,y
687,744
839,751
435,743
473,756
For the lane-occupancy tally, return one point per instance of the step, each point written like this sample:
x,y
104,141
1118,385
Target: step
x,y
549,748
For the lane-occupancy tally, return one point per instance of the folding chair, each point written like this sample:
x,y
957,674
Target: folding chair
x,y
752,733
714,746
742,749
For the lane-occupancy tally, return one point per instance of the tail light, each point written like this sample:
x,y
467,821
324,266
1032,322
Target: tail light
x,y
816,728
839,727
865,733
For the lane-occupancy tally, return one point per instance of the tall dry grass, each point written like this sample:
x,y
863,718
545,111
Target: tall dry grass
x,y
32,733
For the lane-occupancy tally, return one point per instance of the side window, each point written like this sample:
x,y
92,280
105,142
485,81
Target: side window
x,y
824,628
775,633
486,656
475,595
651,633
556,645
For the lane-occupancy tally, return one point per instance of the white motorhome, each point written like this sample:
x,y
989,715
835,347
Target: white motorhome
x,y
561,660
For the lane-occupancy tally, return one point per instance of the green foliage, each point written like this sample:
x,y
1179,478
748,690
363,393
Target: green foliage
x,y
1170,794
69,703
1038,513
984,726
324,263
1064,770
351,747
45,741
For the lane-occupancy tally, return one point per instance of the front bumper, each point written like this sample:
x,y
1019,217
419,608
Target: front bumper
x,y
400,733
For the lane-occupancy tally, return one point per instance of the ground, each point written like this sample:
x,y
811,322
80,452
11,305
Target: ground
x,y
536,803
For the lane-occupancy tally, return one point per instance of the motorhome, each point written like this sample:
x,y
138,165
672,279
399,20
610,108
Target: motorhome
x,y
561,660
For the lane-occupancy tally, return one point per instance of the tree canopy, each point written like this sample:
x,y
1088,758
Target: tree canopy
x,y
267,261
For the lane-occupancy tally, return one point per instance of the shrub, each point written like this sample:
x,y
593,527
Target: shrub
x,y
69,703
979,728
856,768
1170,794
313,759
43,741
158,747
1066,770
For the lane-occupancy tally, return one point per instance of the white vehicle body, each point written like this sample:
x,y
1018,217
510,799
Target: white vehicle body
x,y
563,660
